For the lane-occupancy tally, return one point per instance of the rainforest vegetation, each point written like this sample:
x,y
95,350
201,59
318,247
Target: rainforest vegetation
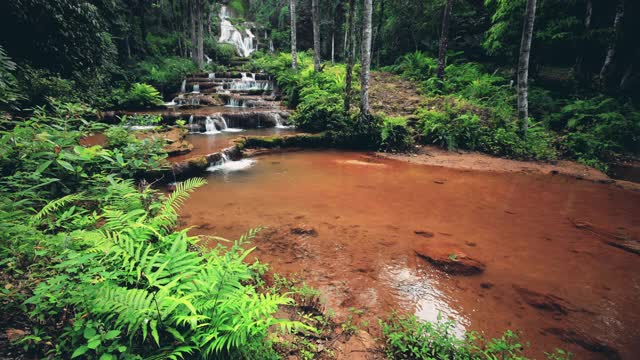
x,y
94,262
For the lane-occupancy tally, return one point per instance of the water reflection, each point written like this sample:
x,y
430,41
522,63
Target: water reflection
x,y
420,289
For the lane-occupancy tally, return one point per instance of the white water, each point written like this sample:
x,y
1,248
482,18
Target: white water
x,y
171,103
230,35
210,126
226,127
183,87
141,127
196,88
212,76
209,60
279,124
233,102
226,166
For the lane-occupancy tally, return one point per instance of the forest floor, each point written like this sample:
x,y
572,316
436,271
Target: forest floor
x,y
469,160
392,95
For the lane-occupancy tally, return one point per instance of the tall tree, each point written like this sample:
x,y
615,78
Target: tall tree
x,y
523,66
315,18
444,40
350,47
611,52
366,57
294,45
578,69
200,34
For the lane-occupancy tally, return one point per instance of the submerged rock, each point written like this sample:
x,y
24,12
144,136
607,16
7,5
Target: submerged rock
x,y
584,340
547,302
450,260
304,229
424,233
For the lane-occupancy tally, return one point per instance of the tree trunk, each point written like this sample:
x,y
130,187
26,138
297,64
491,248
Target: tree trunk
x,y
333,47
350,44
200,34
444,41
523,66
315,18
379,33
194,41
583,42
294,51
366,57
611,52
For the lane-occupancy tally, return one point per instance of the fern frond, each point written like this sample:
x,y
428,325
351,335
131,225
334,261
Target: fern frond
x,y
55,205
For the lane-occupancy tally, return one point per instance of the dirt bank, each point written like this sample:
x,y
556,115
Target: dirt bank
x,y
468,160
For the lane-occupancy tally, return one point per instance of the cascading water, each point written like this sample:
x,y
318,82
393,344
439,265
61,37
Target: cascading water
x,y
278,119
212,76
230,35
226,127
196,88
183,87
225,165
210,126
234,102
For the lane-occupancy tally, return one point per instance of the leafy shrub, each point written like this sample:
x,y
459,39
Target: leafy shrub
x,y
396,135
456,123
38,85
415,66
163,45
141,96
319,110
219,53
56,159
406,337
9,93
599,130
166,72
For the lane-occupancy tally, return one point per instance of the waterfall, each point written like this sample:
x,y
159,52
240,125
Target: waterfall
x,y
208,59
183,88
226,127
229,34
278,119
212,76
225,165
196,88
210,126
233,102
272,49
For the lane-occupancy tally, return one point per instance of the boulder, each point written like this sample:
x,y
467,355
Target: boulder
x,y
450,260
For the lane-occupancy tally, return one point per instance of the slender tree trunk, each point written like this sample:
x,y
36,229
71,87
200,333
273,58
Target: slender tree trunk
x,y
294,51
194,40
315,18
523,66
366,57
444,41
333,47
350,44
200,34
611,52
379,33
625,78
583,42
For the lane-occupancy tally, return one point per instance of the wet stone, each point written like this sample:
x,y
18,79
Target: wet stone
x,y
450,261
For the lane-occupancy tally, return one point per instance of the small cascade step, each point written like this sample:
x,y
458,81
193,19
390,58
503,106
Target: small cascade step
x,y
250,99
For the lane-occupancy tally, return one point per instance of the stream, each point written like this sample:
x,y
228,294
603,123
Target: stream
x,y
348,223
